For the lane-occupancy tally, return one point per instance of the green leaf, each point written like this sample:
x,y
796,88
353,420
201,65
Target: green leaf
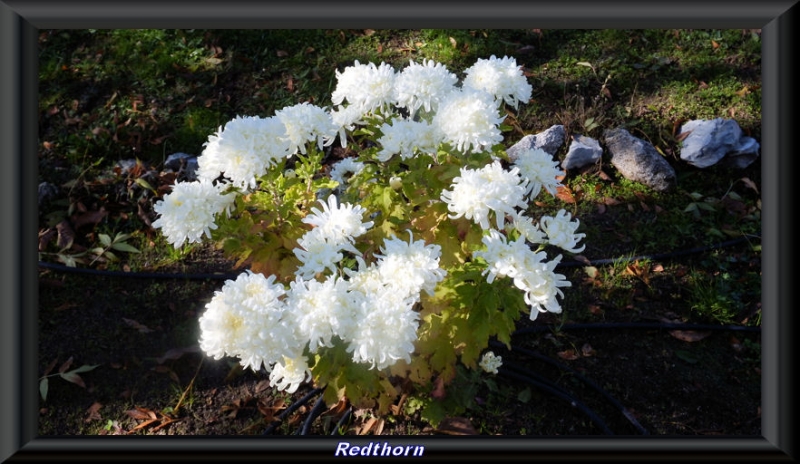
x,y
705,206
68,260
120,237
43,387
104,239
122,246
111,256
85,368
525,395
144,184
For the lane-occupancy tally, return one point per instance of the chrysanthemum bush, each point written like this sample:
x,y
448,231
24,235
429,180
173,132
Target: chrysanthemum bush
x,y
389,271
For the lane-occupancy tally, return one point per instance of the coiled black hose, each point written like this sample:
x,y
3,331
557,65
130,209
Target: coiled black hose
x,y
291,409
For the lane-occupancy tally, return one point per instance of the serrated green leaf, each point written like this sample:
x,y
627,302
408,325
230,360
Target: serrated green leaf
x,y
110,256
43,387
122,246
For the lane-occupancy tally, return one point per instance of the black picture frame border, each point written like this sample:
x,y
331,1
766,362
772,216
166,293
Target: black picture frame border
x,y
19,22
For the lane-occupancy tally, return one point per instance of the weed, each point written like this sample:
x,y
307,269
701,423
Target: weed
x,y
713,298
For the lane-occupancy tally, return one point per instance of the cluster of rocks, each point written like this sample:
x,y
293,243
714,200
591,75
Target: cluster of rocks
x,y
705,143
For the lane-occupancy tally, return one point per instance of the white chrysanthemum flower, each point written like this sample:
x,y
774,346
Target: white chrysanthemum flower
x,y
503,258
345,118
423,85
344,169
365,86
189,211
428,137
469,120
540,169
305,123
560,231
501,77
243,150
318,252
386,330
367,279
528,269
541,285
339,223
525,226
321,310
289,374
407,137
490,362
411,267
476,193
245,320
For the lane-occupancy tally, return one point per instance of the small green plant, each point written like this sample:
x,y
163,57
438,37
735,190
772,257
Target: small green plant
x,y
469,263
713,297
65,373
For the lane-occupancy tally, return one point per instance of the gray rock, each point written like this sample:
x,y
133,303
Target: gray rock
x,y
638,160
709,141
583,151
126,165
743,154
47,192
184,164
549,141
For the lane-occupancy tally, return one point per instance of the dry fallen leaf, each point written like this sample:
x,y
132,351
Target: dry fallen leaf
x,y
140,327
65,365
595,309
456,426
690,335
176,353
568,355
564,194
680,137
65,235
92,413
749,183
